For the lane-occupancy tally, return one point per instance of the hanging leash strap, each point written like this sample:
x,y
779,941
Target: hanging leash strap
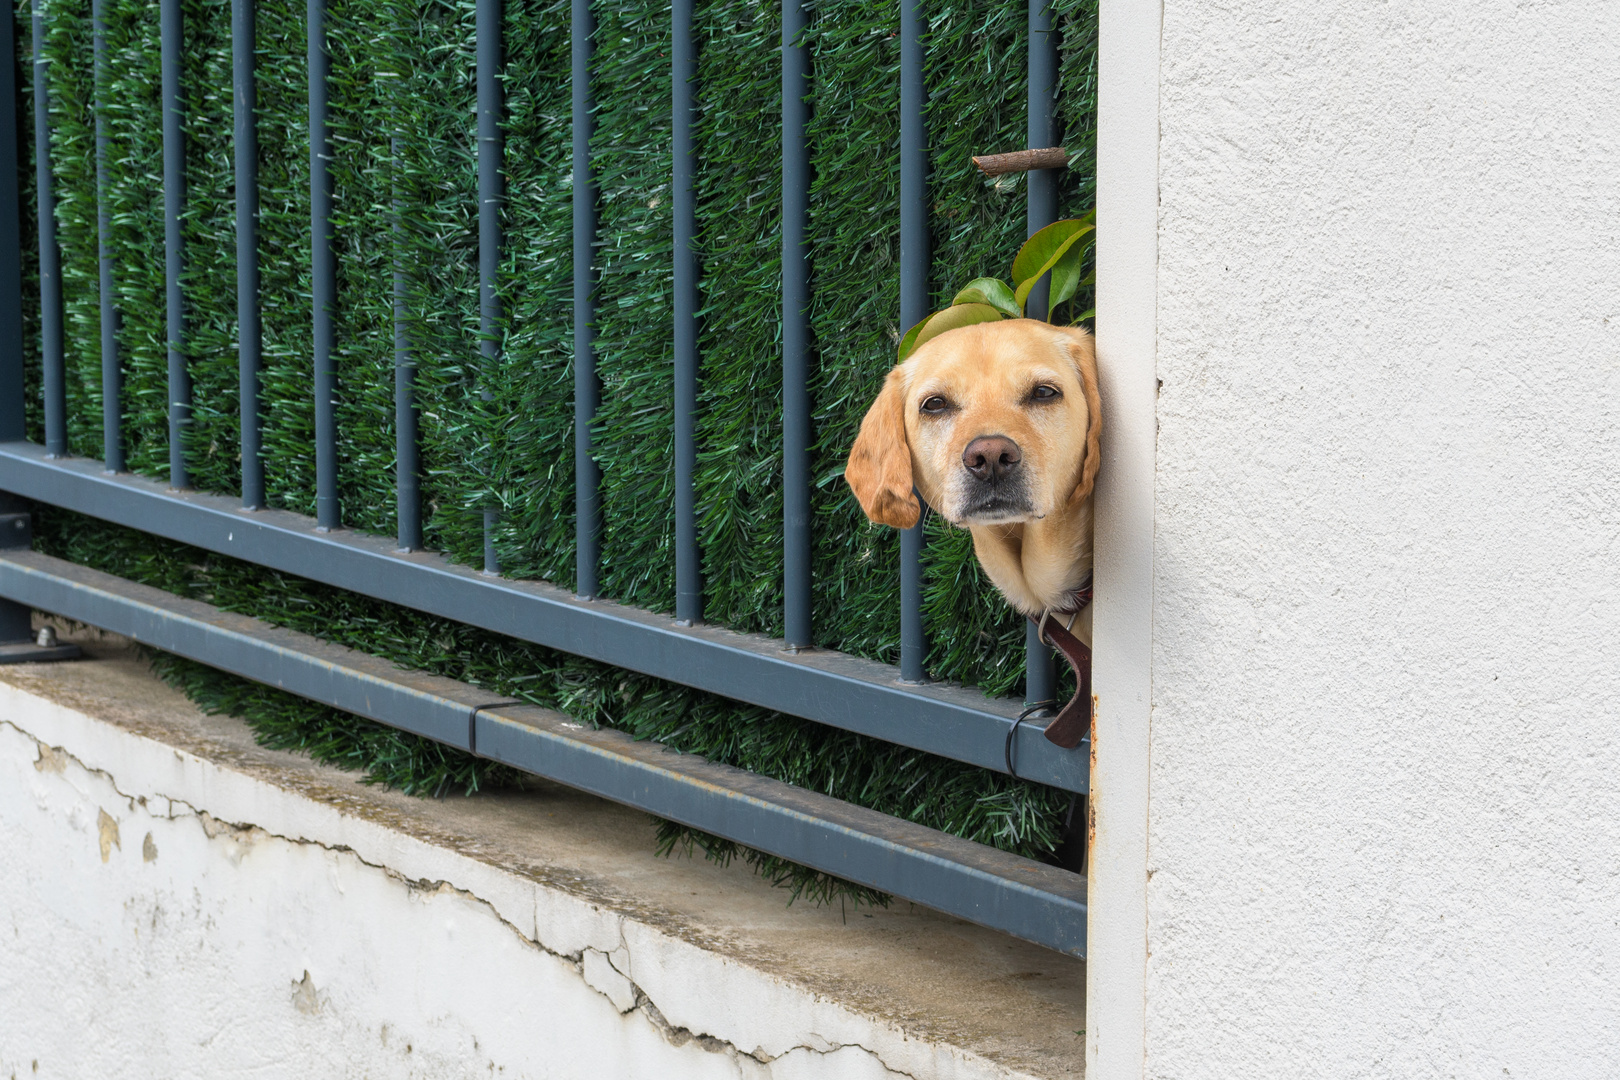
x,y
1008,747
1073,723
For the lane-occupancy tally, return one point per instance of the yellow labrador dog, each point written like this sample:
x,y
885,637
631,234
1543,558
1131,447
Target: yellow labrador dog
x,y
997,426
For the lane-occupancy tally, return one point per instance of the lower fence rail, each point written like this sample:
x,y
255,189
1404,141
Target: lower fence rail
x,y
1039,903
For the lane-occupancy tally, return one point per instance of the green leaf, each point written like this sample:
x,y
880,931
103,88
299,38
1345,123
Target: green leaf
x,y
1039,249
1046,251
940,321
1065,276
992,291
909,342
1070,287
949,319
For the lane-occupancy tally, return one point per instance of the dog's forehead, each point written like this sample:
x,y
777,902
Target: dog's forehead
x,y
1010,349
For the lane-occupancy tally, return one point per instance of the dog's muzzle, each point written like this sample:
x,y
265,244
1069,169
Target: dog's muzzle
x,y
996,487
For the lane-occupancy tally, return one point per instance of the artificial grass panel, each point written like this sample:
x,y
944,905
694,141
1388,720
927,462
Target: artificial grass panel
x,y
854,310
737,483
72,94
633,433
531,465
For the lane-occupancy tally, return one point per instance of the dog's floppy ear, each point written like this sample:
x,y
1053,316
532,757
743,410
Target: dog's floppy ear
x,y
879,470
1084,355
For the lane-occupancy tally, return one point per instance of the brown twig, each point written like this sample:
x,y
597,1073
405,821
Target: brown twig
x,y
1022,161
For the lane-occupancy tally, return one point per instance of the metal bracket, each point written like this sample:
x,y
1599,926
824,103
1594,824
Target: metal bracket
x,y
41,650
17,532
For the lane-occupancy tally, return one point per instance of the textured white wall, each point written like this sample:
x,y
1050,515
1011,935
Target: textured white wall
x,y
172,914
1384,835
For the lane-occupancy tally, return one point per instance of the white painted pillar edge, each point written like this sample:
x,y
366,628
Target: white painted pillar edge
x,y
1127,301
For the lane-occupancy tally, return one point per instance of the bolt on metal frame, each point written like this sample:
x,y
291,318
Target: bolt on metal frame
x,y
789,675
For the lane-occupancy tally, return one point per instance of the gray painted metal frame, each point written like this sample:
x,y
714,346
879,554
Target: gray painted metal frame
x,y
1031,900
683,72
1041,205
821,685
171,35
798,628
53,359
245,163
491,196
323,272
587,391
914,265
407,459
112,375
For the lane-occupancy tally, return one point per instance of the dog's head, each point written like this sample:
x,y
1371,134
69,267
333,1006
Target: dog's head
x,y
993,423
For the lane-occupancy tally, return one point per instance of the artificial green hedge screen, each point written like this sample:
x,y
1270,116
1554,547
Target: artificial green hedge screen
x,y
402,108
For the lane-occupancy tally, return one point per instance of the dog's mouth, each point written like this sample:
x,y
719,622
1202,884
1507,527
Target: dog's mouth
x,y
996,506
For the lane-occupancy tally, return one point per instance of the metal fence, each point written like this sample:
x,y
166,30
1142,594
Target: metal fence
x,y
1041,903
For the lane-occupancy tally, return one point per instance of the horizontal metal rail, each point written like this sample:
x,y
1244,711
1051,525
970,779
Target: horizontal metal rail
x,y
822,685
1036,902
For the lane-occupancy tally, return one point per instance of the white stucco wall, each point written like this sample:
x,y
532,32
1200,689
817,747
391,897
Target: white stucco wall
x,y
1384,825
178,902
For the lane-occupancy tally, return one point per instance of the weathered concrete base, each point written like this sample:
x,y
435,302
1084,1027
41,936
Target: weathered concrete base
x,y
177,901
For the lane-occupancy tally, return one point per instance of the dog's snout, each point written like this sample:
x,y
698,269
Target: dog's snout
x,y
991,457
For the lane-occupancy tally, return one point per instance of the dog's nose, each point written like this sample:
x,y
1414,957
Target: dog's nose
x,y
990,457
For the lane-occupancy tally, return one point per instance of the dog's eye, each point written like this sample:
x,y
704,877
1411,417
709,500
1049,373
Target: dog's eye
x,y
935,405
1045,393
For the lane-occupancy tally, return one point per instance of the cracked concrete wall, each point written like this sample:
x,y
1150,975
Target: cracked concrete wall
x,y
1384,826
163,916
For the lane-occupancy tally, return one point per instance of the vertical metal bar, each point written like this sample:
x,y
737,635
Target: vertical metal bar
x,y
796,596
13,380
407,466
323,273
587,392
112,443
1040,668
174,193
487,16
12,377
683,71
244,106
915,253
1042,192
50,255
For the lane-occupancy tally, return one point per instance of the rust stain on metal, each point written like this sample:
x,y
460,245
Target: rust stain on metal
x,y
1091,788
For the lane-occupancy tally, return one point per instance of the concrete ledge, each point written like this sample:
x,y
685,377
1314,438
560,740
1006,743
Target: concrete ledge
x,y
182,902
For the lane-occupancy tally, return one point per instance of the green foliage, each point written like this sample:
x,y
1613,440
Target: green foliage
x,y
1055,250
966,313
501,434
992,291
